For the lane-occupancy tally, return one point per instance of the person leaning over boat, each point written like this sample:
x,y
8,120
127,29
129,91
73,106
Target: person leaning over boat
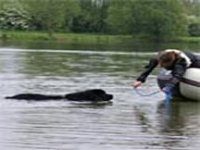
x,y
170,59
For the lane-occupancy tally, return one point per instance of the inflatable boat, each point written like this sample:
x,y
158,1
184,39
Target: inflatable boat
x,y
188,88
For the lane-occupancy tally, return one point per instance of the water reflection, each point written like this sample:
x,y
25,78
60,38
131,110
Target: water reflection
x,y
175,122
131,46
177,119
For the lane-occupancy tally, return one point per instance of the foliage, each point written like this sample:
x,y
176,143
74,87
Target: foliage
x,y
154,19
71,9
13,16
119,14
45,15
194,29
158,19
91,17
193,8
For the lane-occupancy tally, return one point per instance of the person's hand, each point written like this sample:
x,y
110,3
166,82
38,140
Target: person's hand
x,y
137,84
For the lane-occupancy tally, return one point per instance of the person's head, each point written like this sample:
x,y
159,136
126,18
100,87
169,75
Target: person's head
x,y
166,59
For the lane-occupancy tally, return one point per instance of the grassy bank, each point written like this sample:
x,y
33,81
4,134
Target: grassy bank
x,y
188,39
65,37
77,38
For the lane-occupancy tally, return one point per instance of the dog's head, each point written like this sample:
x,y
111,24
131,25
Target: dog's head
x,y
101,95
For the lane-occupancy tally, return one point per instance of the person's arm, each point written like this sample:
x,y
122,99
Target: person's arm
x,y
149,68
142,78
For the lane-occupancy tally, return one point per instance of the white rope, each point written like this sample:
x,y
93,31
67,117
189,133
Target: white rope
x,y
146,94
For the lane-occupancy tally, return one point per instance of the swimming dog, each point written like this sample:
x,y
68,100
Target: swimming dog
x,y
93,95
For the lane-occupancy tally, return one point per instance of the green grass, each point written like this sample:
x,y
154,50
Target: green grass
x,y
83,38
189,39
65,37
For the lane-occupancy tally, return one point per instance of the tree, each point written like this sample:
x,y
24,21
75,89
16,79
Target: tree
x,y
193,7
119,14
13,16
47,15
193,15
91,18
160,20
71,10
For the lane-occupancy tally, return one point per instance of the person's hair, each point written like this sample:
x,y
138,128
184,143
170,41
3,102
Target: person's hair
x,y
167,59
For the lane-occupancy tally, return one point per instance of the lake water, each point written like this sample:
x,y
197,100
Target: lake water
x,y
130,122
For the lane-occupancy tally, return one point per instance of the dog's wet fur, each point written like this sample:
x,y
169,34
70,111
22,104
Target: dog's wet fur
x,y
93,95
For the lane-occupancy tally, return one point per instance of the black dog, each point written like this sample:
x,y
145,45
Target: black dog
x,y
93,95
32,96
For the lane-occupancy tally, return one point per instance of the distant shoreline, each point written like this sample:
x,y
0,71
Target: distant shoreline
x,y
81,38
68,38
84,41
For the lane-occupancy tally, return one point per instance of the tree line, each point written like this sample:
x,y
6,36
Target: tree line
x,y
159,19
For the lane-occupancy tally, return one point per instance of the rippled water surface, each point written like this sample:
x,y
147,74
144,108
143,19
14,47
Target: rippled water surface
x,y
130,122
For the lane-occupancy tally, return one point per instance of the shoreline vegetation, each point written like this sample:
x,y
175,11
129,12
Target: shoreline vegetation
x,y
106,22
84,38
68,38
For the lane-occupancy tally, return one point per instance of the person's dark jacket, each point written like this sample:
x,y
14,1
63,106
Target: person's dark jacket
x,y
178,68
